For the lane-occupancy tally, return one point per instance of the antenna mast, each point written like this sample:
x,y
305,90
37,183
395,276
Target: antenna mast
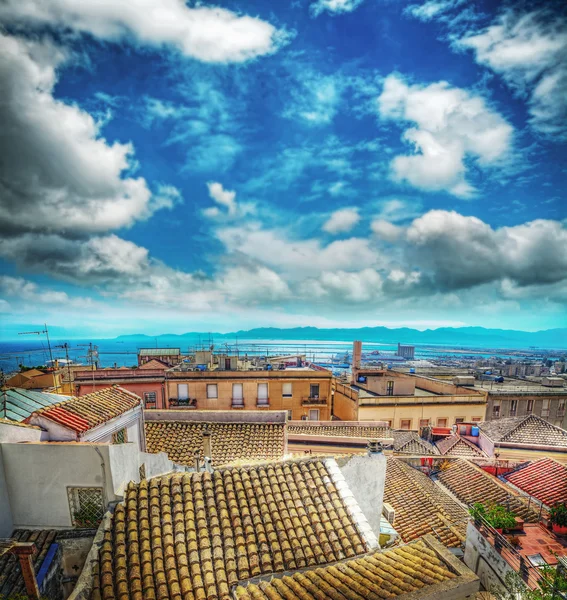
x,y
46,332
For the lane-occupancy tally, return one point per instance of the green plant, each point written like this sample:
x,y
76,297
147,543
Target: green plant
x,y
558,514
496,515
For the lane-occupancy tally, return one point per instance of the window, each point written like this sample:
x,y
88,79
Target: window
x,y
120,436
290,415
530,407
442,422
313,414
86,506
476,419
561,408
314,390
212,391
405,424
423,423
496,411
182,391
237,394
287,391
513,408
545,408
387,421
459,420
150,399
263,394
390,388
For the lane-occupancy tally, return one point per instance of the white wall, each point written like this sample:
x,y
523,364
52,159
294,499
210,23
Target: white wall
x,y
483,559
366,476
17,433
6,523
37,476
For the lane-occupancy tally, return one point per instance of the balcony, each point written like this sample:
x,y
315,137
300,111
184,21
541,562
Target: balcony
x,y
183,402
313,401
262,403
238,403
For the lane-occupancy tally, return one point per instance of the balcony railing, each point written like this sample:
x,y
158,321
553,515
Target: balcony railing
x,y
183,402
238,403
314,401
262,403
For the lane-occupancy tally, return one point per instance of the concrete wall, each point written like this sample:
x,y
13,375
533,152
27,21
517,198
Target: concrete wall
x,y
6,522
17,433
402,386
482,559
345,403
365,476
218,416
37,476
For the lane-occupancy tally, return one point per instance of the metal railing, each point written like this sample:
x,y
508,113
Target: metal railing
x,y
188,402
313,400
262,402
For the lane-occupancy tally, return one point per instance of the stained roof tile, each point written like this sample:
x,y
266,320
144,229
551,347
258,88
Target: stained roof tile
x,y
230,442
525,430
455,445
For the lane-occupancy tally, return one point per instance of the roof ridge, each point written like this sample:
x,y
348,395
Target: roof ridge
x,y
538,420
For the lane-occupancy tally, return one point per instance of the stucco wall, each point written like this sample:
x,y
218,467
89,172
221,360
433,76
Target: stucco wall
x,y
16,433
6,523
403,386
345,404
481,558
365,476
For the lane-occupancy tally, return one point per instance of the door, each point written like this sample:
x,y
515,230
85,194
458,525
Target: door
x,y
313,414
262,393
182,391
314,391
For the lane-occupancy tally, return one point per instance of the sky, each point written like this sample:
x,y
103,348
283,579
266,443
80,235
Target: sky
x,y
173,167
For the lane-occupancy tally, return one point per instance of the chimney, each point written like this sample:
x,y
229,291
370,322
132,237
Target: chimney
x,y
207,446
356,356
24,552
197,455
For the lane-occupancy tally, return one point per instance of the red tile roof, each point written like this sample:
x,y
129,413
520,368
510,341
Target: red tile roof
x,y
89,411
544,479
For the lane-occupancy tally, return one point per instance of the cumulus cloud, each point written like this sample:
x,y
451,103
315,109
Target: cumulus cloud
x,y
459,252
386,230
227,207
207,33
452,126
342,221
24,290
340,286
57,172
529,50
334,7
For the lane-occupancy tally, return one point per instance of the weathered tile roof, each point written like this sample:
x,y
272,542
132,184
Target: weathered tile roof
x,y
455,445
18,404
356,431
16,424
11,580
194,535
422,507
471,484
91,410
544,479
230,442
409,442
380,574
525,430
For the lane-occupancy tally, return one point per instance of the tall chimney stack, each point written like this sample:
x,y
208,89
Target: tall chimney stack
x,y
356,357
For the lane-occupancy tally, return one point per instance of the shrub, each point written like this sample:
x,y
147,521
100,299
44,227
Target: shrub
x,y
558,514
496,515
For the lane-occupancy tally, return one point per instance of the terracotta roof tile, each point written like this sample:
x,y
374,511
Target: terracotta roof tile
x,y
525,430
455,445
356,431
409,442
91,410
379,574
230,442
194,535
471,484
544,479
421,506
11,580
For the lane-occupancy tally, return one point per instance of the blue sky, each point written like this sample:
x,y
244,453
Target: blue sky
x,y
328,162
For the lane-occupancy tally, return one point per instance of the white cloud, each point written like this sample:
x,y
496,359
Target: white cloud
x,y
209,34
385,230
530,52
24,290
341,286
451,126
223,197
430,9
254,285
334,7
316,98
57,172
227,200
342,221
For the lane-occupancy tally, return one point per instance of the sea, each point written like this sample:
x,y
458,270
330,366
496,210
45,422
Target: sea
x,y
123,353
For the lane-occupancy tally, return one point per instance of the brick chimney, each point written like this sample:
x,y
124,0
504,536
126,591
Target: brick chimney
x,y
24,552
356,357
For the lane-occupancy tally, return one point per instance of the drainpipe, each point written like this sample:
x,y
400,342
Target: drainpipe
x,y
24,552
103,469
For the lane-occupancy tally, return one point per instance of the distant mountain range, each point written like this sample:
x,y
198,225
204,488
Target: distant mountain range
x,y
453,336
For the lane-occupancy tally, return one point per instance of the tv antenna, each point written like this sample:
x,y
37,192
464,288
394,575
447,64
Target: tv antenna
x,y
46,332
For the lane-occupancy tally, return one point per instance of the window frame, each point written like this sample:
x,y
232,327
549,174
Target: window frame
x,y
214,386
290,394
402,421
120,436
147,401
444,419
314,410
